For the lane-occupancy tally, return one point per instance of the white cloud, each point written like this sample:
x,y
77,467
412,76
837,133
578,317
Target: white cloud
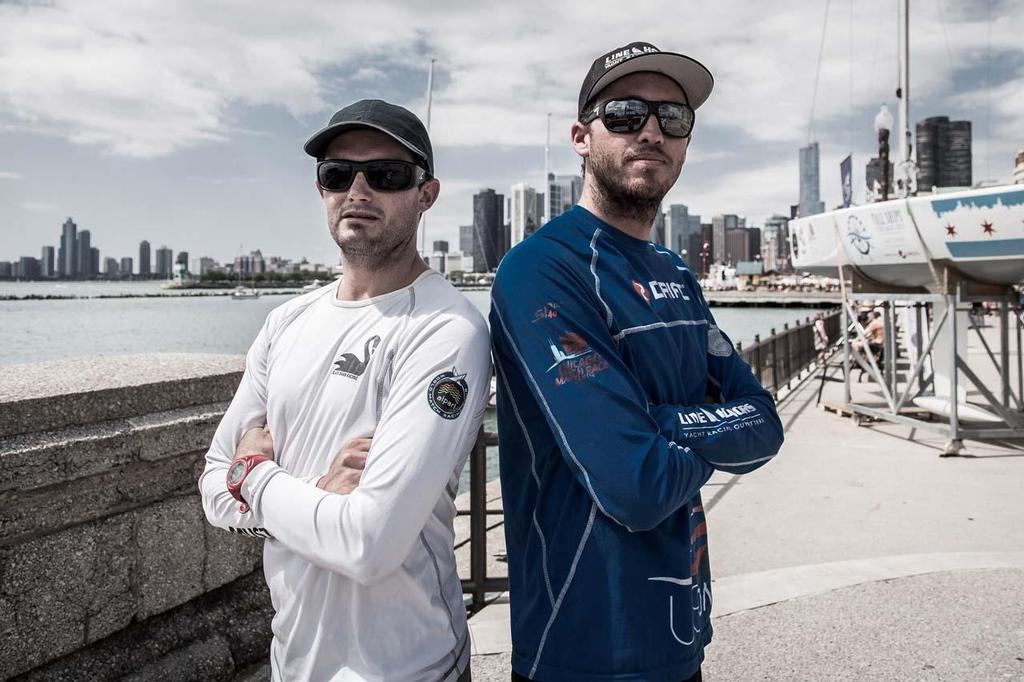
x,y
36,206
146,78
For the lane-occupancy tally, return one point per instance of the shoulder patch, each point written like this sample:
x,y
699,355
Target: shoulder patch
x,y
717,345
447,394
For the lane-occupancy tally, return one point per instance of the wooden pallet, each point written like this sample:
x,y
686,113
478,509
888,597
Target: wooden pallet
x,y
843,411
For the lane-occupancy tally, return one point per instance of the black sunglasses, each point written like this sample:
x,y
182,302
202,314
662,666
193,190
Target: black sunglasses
x,y
630,114
383,175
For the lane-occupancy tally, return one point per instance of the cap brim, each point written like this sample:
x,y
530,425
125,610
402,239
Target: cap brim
x,y
693,77
317,144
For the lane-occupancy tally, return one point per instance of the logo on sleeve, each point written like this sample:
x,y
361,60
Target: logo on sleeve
x,y
547,311
447,394
574,359
717,345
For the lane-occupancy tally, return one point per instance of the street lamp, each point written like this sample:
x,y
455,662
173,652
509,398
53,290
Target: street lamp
x,y
883,124
704,253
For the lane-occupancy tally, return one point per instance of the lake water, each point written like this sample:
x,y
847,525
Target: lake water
x,y
36,330
159,320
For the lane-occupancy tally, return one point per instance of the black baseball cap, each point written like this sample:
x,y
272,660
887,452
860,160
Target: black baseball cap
x,y
692,76
397,122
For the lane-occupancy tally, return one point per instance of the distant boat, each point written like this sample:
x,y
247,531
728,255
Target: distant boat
x,y
244,292
315,284
240,291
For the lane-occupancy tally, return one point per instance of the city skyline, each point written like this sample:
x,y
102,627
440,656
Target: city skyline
x,y
220,163
76,259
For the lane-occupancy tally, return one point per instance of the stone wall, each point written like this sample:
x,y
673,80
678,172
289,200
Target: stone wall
x,y
108,568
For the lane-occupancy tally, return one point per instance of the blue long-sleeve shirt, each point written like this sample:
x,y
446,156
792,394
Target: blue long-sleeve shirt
x,y
606,354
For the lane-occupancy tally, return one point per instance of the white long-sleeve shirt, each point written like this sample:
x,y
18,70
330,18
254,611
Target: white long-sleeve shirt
x,y
363,585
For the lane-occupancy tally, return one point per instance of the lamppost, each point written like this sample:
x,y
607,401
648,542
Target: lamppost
x,y
704,259
883,124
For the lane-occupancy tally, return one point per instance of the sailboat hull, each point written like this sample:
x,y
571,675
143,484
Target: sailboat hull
x,y
909,242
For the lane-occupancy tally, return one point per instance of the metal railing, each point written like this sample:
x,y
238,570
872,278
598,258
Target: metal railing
x,y
479,584
782,356
775,361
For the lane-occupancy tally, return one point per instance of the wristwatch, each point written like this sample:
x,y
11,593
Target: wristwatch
x,y
237,472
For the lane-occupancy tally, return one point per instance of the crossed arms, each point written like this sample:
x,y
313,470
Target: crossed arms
x,y
364,524
639,462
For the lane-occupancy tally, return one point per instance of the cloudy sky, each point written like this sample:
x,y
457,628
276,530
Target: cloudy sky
x,y
182,122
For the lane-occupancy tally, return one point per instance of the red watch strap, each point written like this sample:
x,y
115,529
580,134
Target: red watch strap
x,y
251,461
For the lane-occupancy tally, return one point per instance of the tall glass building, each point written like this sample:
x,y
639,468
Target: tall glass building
x,y
810,184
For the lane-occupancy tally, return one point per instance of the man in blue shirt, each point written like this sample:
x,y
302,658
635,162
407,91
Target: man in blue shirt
x,y
618,397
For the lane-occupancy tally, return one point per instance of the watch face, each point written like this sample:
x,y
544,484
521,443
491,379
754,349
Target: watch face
x,y
235,473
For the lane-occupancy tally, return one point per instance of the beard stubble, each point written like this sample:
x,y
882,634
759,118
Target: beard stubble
x,y
628,198
385,247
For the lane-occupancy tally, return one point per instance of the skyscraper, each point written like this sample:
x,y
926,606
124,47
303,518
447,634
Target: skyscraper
x,y
164,262
753,243
27,267
84,249
737,246
810,184
524,217
776,233
126,268
441,246
943,153
68,254
719,225
46,262
488,224
144,269
181,263
678,228
466,239
110,268
658,227
563,192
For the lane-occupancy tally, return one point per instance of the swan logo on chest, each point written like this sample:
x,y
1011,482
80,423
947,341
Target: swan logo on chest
x,y
352,367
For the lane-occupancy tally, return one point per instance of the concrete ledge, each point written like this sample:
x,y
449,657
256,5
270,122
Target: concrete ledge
x,y
51,395
102,531
51,480
223,631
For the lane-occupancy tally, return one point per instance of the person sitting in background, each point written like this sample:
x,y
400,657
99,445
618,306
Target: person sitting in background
x,y
874,332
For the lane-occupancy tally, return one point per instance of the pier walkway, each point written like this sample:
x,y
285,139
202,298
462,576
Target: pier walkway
x,y
858,553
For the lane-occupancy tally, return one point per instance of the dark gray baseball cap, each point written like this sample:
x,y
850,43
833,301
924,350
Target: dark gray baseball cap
x,y
692,76
397,122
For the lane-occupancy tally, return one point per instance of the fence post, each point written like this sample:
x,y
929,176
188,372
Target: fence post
x,y
478,521
775,360
787,367
757,358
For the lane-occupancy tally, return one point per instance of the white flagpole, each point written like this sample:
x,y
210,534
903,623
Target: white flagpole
x,y
430,96
546,215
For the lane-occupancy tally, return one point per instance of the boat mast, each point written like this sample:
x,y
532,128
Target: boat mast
x,y
430,97
906,177
546,214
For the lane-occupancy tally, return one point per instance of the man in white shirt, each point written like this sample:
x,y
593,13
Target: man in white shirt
x,y
345,440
